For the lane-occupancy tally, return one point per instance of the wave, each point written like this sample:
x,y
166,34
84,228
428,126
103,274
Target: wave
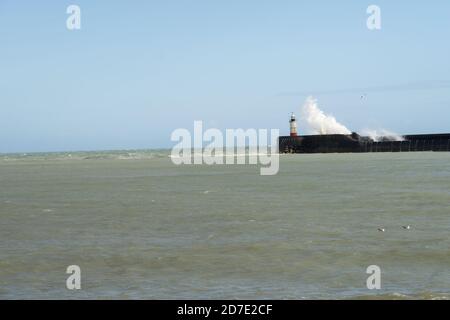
x,y
87,155
404,296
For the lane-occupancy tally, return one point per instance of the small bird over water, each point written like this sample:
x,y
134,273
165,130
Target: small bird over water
x,y
381,229
406,227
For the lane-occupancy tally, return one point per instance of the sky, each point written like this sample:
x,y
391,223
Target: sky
x,y
137,70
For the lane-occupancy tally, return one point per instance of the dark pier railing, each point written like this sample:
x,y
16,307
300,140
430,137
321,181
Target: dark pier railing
x,y
355,143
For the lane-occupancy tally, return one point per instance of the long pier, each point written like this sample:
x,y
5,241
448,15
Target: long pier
x,y
340,143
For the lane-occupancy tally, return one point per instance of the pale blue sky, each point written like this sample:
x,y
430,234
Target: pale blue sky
x,y
139,69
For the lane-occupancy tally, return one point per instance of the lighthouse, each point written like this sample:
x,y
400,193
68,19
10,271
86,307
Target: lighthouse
x,y
293,125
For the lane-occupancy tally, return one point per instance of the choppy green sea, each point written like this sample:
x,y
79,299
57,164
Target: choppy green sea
x,y
141,227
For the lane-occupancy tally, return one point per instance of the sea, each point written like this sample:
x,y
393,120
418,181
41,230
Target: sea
x,y
140,227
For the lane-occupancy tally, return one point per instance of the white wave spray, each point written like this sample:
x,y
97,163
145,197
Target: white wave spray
x,y
317,122
382,135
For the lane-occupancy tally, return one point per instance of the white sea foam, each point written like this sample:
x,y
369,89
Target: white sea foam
x,y
382,134
315,121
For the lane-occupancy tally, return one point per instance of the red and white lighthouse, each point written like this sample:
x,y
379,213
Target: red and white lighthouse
x,y
293,125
